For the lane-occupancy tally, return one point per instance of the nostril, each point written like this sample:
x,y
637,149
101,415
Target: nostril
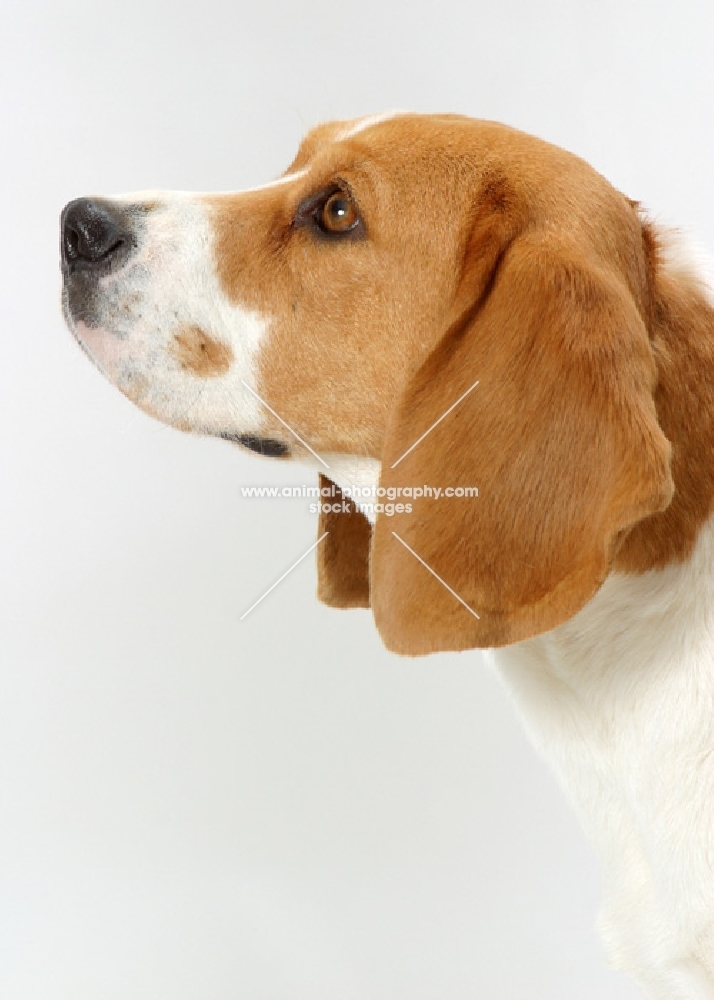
x,y
93,233
71,242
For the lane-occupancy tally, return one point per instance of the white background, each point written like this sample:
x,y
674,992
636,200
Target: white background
x,y
195,808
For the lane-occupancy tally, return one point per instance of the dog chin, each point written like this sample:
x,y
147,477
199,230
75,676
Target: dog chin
x,y
100,346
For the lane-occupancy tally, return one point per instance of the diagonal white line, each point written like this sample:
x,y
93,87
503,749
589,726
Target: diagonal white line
x,y
246,613
278,417
434,425
435,574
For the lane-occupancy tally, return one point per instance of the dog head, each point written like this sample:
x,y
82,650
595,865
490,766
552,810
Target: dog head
x,y
350,307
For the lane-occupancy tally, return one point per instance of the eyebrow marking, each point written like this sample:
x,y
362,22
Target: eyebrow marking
x,y
367,122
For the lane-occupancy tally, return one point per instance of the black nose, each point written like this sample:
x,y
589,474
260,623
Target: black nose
x,y
95,235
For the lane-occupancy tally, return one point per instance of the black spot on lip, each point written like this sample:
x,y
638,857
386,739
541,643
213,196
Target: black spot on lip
x,y
260,445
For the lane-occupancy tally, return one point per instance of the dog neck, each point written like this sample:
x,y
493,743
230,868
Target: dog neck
x,y
620,700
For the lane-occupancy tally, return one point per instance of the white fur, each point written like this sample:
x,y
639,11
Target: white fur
x,y
171,282
139,197
368,121
686,260
620,700
285,179
347,471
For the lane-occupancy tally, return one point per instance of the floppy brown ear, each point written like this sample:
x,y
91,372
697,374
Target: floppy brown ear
x,y
343,556
560,437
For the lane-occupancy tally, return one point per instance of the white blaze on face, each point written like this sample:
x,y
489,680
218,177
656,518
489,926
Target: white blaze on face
x,y
362,124
154,308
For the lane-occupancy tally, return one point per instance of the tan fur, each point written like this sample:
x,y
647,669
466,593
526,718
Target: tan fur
x,y
681,324
199,353
563,436
489,255
343,556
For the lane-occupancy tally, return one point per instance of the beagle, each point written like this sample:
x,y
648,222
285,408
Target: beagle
x,y
346,312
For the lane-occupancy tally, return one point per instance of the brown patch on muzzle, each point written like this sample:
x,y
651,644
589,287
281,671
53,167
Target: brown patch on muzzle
x,y
199,353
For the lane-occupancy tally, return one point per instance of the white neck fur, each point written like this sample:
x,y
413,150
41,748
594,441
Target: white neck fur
x,y
620,700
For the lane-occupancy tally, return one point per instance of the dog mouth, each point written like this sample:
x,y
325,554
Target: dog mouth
x,y
127,279
270,447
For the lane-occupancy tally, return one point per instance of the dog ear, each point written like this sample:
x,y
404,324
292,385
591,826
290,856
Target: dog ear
x,y
343,556
560,437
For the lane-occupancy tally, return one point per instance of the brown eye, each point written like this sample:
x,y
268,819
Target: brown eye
x,y
338,214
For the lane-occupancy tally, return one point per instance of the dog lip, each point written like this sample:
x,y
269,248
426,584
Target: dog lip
x,y
270,447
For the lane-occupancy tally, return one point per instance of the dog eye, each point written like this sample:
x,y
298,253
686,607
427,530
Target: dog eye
x,y
338,214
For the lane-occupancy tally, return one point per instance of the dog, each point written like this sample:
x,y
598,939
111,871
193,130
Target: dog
x,y
433,299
